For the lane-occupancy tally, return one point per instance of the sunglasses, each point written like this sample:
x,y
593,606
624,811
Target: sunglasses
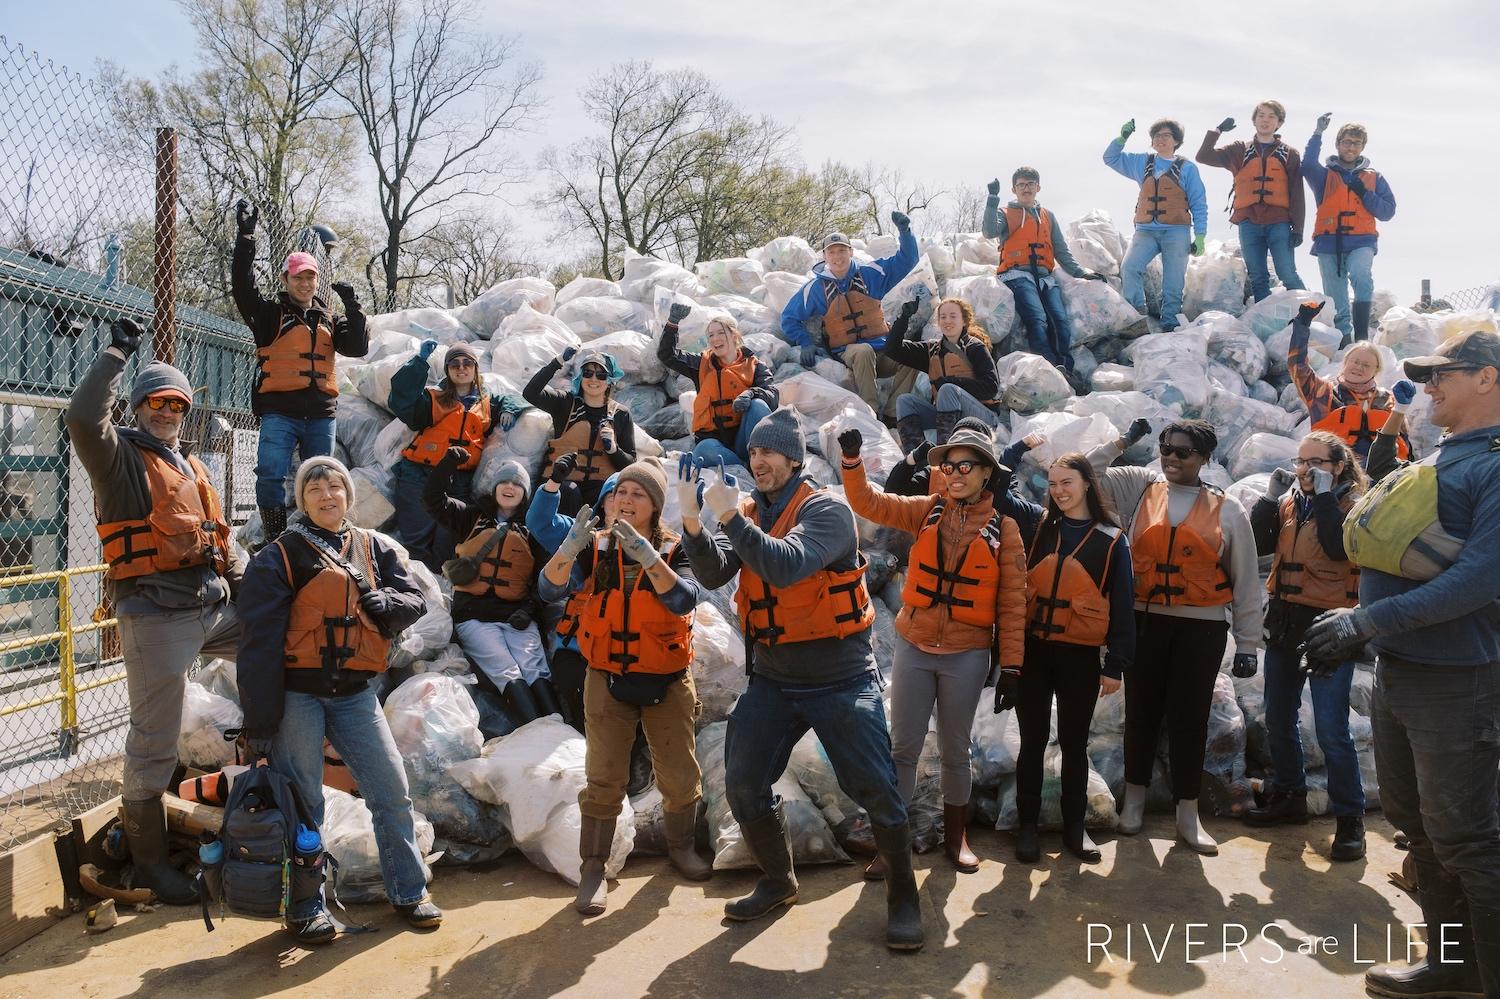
x,y
461,362
961,467
157,402
598,374
1180,453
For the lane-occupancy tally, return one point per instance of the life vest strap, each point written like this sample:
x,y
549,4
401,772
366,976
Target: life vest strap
x,y
1054,602
943,576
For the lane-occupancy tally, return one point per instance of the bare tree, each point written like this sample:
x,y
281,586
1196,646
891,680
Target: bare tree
x,y
882,190
431,99
962,210
468,256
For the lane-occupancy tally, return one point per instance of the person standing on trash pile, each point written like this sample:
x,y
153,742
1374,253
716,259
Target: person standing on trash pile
x,y
806,615
959,368
493,573
1300,521
1350,197
593,436
1171,215
734,387
320,607
845,296
1427,543
172,579
1197,583
636,599
1031,245
965,598
1351,407
1267,204
296,337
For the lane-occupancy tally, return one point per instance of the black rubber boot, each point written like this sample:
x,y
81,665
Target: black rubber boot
x,y
319,929
1348,839
519,703
642,776
1281,808
1029,810
1454,972
1076,838
909,431
945,421
768,842
146,831
594,839
903,904
545,697
1359,312
272,524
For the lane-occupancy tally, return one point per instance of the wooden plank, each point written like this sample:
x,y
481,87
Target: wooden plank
x,y
31,891
88,829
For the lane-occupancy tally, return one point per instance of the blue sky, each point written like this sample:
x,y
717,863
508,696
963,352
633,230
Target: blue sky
x,y
955,93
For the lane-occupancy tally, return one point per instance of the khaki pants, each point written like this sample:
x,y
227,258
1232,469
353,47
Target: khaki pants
x,y
609,727
866,365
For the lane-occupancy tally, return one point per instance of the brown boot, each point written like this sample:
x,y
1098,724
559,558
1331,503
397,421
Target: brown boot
x,y
955,842
594,839
681,850
875,869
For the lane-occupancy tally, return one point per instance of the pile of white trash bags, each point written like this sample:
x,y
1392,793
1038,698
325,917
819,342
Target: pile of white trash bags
x,y
482,787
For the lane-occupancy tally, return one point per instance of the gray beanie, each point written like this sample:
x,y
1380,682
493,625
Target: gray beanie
x,y
159,377
513,471
322,461
781,432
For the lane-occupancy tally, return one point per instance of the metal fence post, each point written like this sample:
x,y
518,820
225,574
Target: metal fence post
x,y
164,289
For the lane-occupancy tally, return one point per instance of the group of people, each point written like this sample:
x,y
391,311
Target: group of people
x,y
1126,576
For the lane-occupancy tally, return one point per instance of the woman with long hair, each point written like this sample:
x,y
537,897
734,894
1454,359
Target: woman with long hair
x,y
960,372
593,435
734,387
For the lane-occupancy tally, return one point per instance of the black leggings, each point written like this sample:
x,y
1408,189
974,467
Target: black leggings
x,y
1172,678
1071,672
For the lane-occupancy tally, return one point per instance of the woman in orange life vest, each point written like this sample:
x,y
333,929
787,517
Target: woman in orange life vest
x,y
965,598
734,387
958,366
635,629
1302,525
1351,407
319,608
592,432
493,573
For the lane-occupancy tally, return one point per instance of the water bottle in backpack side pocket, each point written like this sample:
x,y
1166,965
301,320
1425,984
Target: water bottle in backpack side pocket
x,y
307,865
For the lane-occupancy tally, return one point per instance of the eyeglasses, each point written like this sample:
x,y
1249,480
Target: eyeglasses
x,y
462,362
1438,374
156,402
1180,453
961,467
597,373
1314,462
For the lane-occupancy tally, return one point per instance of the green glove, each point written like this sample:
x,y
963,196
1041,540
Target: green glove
x,y
1126,130
1198,245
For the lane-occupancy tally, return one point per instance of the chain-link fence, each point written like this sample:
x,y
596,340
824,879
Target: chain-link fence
x,y
1486,297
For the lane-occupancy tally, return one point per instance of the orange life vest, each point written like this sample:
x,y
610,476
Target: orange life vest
x,y
451,425
1342,212
324,630
827,604
969,591
298,358
1028,241
852,316
506,572
185,527
1262,178
718,386
1356,424
581,437
621,631
944,360
1162,200
1302,572
1179,566
567,625
1067,595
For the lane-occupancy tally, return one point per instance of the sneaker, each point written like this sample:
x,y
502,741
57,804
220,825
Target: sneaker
x,y
423,915
317,930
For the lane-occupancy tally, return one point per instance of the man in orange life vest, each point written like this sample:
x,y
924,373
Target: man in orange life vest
x,y
296,336
172,575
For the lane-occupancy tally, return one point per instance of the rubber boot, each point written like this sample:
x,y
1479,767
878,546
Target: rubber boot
x,y
1281,808
1132,809
642,775
519,703
594,839
769,843
1454,972
945,421
682,830
1359,312
1348,839
1028,811
545,697
1190,832
146,831
903,905
909,431
956,840
272,524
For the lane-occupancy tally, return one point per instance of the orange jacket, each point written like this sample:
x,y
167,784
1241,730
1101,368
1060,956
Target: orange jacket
x,y
1028,240
1067,598
1302,572
506,572
1263,179
852,316
451,425
1341,212
1179,565
297,358
718,386
582,438
620,632
185,527
324,630
1162,200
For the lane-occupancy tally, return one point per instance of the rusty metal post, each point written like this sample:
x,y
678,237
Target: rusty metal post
x,y
164,285
1426,293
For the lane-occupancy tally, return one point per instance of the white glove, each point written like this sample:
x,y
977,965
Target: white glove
x,y
1322,480
580,535
723,497
632,544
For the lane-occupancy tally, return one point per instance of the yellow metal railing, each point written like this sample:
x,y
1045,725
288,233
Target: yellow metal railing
x,y
67,677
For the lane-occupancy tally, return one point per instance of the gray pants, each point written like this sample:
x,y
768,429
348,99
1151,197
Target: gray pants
x,y
953,682
159,650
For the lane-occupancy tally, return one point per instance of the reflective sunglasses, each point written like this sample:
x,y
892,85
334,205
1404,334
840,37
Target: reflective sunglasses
x,y
157,402
597,373
462,362
1180,453
961,467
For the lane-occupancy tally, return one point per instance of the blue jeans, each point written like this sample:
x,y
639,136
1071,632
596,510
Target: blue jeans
x,y
849,719
1048,327
1258,240
1173,245
425,539
950,399
710,450
1330,700
1356,266
279,436
356,726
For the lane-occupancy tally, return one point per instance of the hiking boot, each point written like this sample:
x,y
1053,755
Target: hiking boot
x,y
423,915
903,904
955,838
768,842
146,831
595,836
682,850
1348,838
318,929
1281,808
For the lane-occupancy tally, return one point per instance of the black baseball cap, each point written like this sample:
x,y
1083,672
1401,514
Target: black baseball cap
x,y
1474,349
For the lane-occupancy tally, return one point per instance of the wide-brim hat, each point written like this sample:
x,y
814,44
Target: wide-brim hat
x,y
974,440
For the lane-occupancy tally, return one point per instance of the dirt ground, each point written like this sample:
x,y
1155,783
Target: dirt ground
x,y
1008,930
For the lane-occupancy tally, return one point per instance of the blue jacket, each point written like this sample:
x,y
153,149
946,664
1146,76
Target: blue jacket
x,y
1380,202
879,278
1133,165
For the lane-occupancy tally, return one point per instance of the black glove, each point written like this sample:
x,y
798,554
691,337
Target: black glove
x,y
1245,665
1320,669
125,336
1007,688
909,309
850,441
376,603
521,619
1139,428
345,291
677,313
1296,240
563,467
1308,312
1227,125
567,354
1357,186
455,455
245,217
258,747
993,187
900,221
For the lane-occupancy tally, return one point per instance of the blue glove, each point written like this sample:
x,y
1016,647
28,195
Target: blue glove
x,y
568,352
1405,391
900,221
425,351
809,356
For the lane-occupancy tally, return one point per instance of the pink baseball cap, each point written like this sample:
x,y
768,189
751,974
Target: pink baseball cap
x,y
298,262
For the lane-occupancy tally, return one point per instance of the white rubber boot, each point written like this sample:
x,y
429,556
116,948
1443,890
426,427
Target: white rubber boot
x,y
1133,809
1190,832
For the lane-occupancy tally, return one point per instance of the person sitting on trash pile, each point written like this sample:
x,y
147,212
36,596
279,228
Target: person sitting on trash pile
x,y
1031,245
1351,407
959,368
964,599
320,607
806,615
1350,197
845,296
493,573
1268,205
913,476
591,432
173,576
1171,215
1300,521
635,601
296,337
734,387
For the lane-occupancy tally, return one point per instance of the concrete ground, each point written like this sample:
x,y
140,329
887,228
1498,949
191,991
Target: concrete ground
x,y
1008,930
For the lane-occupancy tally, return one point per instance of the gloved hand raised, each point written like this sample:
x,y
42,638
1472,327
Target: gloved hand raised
x,y
690,486
1139,428
245,217
635,547
567,354
1322,480
563,467
909,309
993,187
1035,440
809,356
1404,392
1245,665
125,335
345,291
901,221
1324,120
425,351
1308,312
1127,130
722,497
506,420
677,313
1007,688
580,535
850,441
1227,125
1281,481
